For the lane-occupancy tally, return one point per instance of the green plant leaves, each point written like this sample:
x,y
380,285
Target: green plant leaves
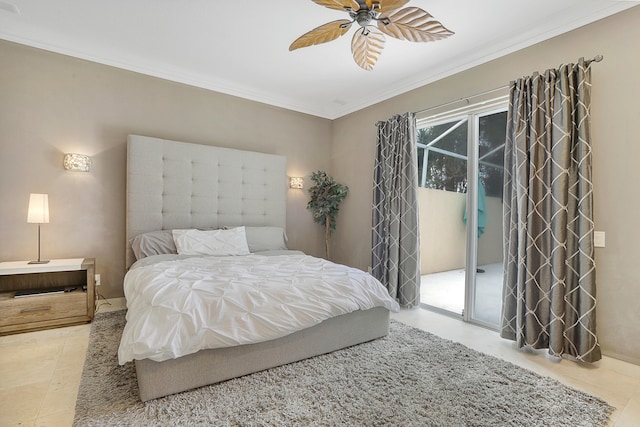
x,y
325,198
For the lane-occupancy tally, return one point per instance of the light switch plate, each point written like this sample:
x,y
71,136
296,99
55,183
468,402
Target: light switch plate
x,y
598,239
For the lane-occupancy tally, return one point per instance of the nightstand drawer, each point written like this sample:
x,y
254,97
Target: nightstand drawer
x,y
33,310
43,307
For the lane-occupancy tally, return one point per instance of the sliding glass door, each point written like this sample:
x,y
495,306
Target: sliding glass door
x,y
442,169
460,175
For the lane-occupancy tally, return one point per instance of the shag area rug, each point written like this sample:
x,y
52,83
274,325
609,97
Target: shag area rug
x,y
409,378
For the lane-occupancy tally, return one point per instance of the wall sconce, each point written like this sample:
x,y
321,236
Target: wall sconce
x,y
77,162
296,182
38,213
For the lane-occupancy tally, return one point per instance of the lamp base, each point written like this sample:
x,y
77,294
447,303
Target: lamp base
x,y
39,262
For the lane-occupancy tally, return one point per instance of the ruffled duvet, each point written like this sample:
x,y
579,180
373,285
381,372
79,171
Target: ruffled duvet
x,y
180,306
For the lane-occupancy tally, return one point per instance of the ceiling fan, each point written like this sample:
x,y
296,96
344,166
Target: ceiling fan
x,y
411,23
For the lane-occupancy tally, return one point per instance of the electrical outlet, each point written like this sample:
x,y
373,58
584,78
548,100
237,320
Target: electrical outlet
x,y
599,239
97,280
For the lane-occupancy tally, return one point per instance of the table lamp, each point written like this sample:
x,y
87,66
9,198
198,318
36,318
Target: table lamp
x,y
38,214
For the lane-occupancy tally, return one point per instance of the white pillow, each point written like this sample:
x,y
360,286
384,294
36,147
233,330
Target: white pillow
x,y
211,242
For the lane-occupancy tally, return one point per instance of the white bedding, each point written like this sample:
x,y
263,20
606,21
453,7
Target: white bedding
x,y
186,304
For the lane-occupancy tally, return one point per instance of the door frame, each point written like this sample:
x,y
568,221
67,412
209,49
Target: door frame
x,y
473,114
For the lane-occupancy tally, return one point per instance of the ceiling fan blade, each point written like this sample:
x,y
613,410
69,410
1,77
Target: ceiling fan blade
x,y
413,24
338,4
366,47
388,6
322,34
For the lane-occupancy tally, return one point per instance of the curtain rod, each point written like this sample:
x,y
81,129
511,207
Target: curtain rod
x,y
596,58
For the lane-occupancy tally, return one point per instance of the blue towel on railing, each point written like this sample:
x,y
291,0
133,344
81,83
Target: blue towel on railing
x,y
482,212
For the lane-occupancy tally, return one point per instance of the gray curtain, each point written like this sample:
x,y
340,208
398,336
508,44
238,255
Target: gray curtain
x,y
549,270
395,256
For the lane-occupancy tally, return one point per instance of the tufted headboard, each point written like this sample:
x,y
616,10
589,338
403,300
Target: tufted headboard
x,y
174,184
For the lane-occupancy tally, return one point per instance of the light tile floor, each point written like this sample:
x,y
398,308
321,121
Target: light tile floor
x,y
40,371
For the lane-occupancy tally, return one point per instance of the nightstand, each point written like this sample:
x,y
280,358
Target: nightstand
x,y
42,296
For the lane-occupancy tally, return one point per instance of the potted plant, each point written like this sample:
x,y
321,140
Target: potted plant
x,y
326,195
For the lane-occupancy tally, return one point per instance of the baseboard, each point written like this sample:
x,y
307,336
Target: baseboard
x,y
622,357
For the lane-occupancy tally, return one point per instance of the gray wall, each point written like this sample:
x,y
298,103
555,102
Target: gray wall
x,y
616,149
51,104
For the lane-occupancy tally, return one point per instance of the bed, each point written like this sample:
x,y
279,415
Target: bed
x,y
193,197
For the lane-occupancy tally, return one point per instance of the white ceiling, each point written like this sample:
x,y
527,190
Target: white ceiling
x,y
241,48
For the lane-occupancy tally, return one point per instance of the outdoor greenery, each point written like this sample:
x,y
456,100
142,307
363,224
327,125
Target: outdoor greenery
x,y
447,172
326,196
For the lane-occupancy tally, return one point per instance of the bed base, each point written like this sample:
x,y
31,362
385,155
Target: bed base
x,y
157,379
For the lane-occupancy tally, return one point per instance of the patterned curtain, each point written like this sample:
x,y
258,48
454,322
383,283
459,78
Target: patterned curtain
x,y
395,256
549,273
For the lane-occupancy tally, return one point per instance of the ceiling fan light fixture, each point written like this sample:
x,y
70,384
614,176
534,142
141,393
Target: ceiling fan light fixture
x,y
411,24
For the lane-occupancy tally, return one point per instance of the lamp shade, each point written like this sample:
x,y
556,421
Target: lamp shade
x,y
38,209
